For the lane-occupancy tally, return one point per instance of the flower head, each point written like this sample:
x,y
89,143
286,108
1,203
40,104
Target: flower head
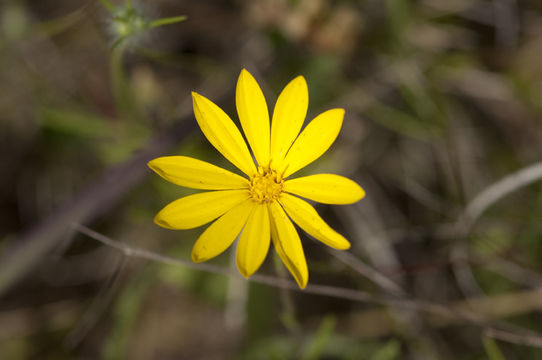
x,y
129,24
262,204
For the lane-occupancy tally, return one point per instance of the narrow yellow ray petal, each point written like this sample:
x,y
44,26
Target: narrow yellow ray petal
x,y
288,117
254,241
196,174
313,141
325,188
304,215
288,245
199,209
220,130
254,116
221,234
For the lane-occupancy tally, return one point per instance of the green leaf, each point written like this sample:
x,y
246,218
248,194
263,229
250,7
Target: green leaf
x,y
319,342
167,21
492,349
76,123
388,351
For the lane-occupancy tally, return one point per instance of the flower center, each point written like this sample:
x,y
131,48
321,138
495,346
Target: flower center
x,y
266,185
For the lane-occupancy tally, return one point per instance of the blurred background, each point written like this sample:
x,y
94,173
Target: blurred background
x,y
443,100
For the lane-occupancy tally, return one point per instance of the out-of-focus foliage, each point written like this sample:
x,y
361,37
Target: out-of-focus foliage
x,y
442,97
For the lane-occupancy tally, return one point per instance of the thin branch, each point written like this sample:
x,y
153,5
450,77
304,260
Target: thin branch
x,y
446,312
520,339
498,190
130,251
333,291
369,272
475,208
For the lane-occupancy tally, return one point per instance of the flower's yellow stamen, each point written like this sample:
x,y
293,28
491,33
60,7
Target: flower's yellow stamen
x,y
266,185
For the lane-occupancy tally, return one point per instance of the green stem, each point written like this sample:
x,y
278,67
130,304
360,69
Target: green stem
x,y
121,90
167,21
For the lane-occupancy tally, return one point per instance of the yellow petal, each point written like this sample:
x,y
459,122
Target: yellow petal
x,y
196,174
221,234
304,215
254,242
254,116
325,188
288,117
288,244
220,130
313,141
199,209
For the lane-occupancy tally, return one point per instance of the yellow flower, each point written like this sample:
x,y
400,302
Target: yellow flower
x,y
261,205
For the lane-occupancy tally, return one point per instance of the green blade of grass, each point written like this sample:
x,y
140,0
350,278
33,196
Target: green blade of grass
x,y
167,21
492,349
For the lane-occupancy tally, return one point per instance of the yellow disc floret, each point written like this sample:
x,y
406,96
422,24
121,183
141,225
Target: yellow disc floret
x,y
266,185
